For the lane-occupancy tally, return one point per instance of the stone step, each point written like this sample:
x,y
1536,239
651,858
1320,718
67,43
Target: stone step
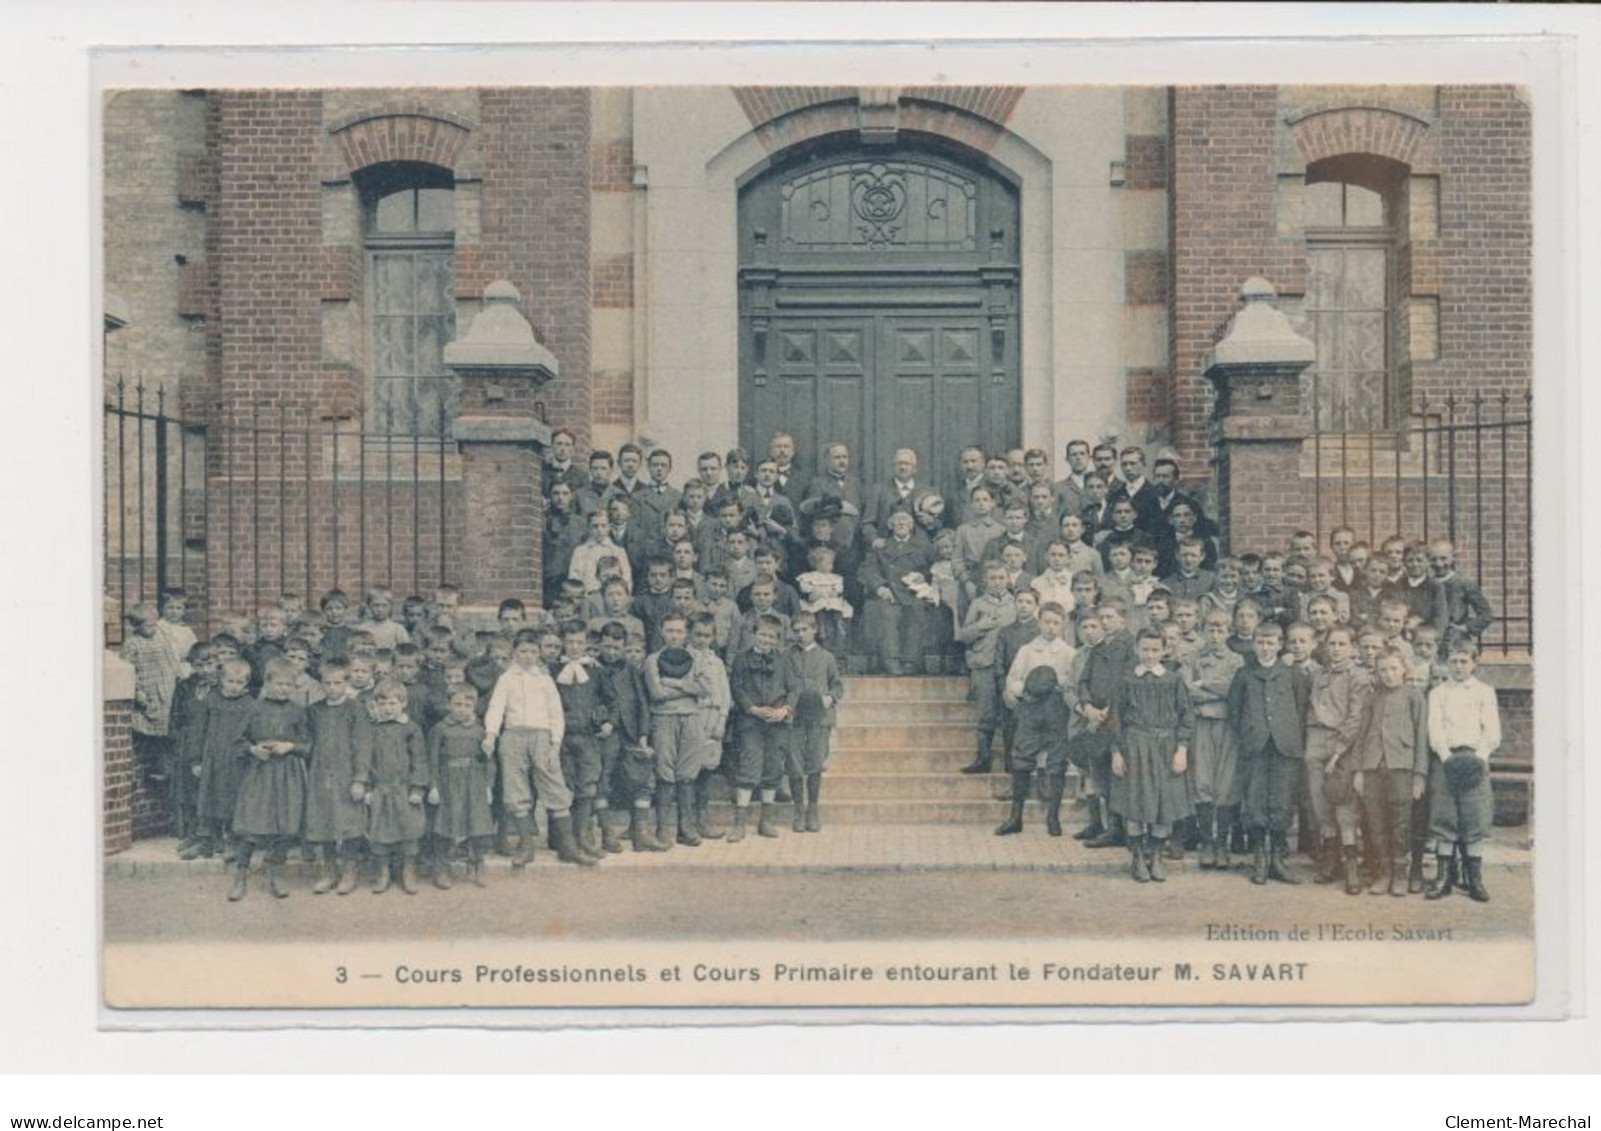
x,y
893,711
905,687
973,811
840,785
904,736
898,760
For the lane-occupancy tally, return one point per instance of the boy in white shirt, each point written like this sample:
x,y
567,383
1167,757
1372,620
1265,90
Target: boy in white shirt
x,y
525,722
1464,730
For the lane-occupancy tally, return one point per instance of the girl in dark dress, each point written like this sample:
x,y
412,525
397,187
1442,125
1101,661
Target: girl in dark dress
x,y
272,787
1150,754
335,821
223,718
392,777
462,777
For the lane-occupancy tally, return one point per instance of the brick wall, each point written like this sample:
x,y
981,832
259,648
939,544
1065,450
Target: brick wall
x,y
536,211
1233,149
1223,173
119,775
1486,240
1260,495
277,270
265,242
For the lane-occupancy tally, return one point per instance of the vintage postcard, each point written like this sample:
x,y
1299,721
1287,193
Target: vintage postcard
x,y
763,546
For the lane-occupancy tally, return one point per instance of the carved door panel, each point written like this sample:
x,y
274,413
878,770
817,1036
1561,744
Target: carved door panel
x,y
879,307
936,392
815,387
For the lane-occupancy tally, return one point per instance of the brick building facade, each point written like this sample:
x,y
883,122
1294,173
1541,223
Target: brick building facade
x,y
239,232
293,261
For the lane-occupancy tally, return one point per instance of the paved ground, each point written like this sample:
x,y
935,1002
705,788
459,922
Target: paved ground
x,y
853,882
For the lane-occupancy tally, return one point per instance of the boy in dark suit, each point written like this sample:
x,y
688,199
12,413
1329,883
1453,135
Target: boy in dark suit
x,y
1268,704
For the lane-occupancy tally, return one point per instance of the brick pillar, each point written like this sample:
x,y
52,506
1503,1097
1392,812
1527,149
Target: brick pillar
x,y
1257,427
119,772
502,367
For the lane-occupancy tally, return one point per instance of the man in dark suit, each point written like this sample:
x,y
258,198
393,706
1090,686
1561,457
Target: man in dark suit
x,y
658,496
838,484
1140,491
595,494
901,493
770,516
560,465
1104,459
1071,496
781,448
1165,481
630,463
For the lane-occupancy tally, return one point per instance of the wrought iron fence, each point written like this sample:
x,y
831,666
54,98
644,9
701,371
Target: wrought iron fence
x,y
239,512
1461,470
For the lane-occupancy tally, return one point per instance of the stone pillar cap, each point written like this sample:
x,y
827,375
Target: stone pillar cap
x,y
1260,334
500,340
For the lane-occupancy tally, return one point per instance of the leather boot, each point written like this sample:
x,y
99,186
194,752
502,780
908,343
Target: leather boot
x,y
1228,827
1399,866
1014,822
1353,870
979,765
408,876
386,874
1205,815
241,876
737,832
328,874
608,832
814,794
347,877
764,824
1112,835
687,836
1380,882
1278,866
1156,868
1328,861
444,877
1054,785
1260,868
275,882
664,803
1445,878
1096,827
1476,889
1138,868
584,825
639,831
1414,874
568,850
797,790
703,822
524,824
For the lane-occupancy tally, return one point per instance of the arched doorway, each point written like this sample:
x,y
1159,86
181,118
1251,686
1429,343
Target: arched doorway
x,y
879,306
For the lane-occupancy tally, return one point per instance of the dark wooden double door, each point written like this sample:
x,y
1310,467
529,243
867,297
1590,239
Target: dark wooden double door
x,y
879,382
879,307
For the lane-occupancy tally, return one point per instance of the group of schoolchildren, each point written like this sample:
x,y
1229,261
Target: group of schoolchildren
x,y
377,743
701,628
